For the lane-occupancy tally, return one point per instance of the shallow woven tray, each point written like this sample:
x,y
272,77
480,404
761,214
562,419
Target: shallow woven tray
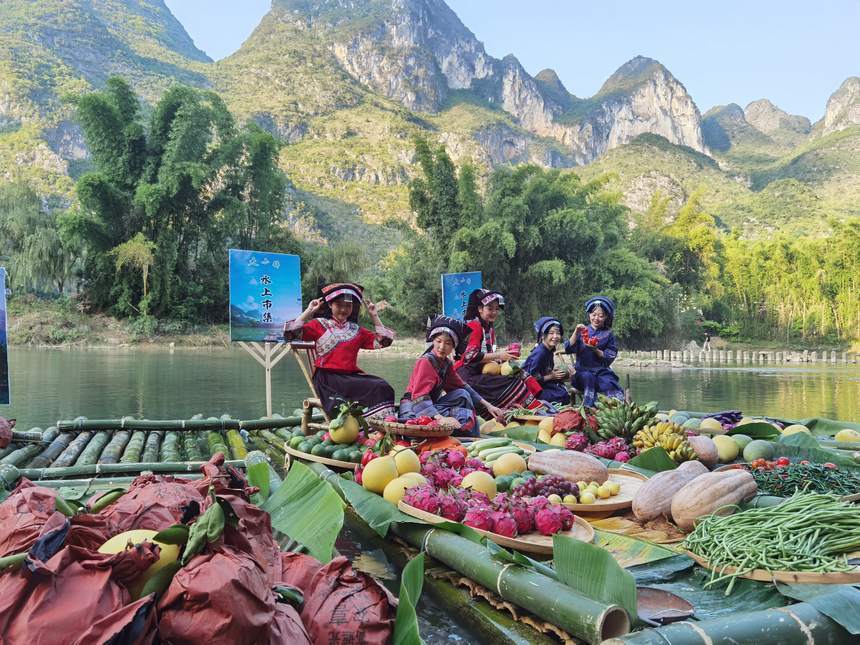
x,y
406,430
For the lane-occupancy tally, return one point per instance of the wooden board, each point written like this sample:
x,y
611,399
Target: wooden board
x,y
630,484
801,577
531,543
306,456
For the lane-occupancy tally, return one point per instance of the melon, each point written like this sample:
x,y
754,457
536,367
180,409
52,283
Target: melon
x,y
406,461
491,368
509,464
742,440
546,424
691,424
169,553
491,426
727,448
480,481
710,425
758,449
378,473
794,429
848,435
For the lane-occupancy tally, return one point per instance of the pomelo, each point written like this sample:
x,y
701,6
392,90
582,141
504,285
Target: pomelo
x,y
794,429
758,449
406,461
480,481
848,435
679,418
347,432
745,420
508,464
691,424
396,489
378,473
547,424
491,368
711,425
727,449
169,553
742,440
506,369
558,439
414,479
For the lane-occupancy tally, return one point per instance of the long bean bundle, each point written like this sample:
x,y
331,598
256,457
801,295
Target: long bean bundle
x,y
808,532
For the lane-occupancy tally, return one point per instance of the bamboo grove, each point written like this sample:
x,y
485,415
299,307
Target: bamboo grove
x,y
169,191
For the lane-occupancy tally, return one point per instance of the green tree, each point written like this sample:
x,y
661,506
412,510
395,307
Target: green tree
x,y
435,197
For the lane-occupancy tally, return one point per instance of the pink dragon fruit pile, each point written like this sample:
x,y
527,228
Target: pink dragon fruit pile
x,y
553,518
616,448
577,441
446,468
424,498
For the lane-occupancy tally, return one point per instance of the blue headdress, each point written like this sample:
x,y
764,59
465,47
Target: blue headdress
x,y
543,325
605,303
456,329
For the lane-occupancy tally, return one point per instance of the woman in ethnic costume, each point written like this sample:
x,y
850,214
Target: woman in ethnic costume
x,y
595,349
435,389
332,322
502,391
540,362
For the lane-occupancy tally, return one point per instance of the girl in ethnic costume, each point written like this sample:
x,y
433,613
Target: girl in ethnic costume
x,y
540,363
332,322
595,349
435,389
502,391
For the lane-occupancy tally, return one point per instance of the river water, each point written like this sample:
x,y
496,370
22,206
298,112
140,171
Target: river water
x,y
50,384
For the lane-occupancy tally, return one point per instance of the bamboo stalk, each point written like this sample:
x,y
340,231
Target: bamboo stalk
x,y
71,453
118,469
102,483
548,599
22,455
798,623
179,425
54,450
113,451
152,446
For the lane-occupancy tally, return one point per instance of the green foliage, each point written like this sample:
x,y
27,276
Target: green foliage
x,y
169,200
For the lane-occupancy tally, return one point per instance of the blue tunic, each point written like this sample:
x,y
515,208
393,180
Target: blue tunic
x,y
593,375
539,363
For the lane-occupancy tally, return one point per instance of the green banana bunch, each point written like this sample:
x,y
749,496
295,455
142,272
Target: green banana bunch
x,y
618,418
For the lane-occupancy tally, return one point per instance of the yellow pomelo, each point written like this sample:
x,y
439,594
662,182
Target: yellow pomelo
x,y
544,436
848,435
378,474
347,433
406,461
491,426
727,448
558,439
414,479
169,553
710,425
395,489
507,369
480,481
492,368
508,464
794,429
546,424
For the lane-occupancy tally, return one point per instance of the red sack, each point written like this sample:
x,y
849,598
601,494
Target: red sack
x,y
221,596
254,533
77,597
297,570
343,605
152,502
287,628
24,516
6,432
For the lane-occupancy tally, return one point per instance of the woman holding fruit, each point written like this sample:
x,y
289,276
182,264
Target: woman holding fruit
x,y
332,323
435,391
479,364
540,362
595,348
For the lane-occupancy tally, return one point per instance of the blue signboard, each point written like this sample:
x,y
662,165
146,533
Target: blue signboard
x,y
456,288
5,397
265,292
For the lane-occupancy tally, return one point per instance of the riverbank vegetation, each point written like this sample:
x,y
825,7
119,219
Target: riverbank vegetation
x,y
142,250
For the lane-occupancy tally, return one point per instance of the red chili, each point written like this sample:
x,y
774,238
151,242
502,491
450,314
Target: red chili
x,y
804,462
424,421
783,461
830,466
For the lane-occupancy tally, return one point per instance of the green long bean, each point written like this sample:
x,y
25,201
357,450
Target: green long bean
x,y
809,532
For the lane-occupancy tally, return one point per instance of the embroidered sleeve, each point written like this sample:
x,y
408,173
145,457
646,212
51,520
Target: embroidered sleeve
x,y
300,330
474,351
384,336
610,349
374,340
424,378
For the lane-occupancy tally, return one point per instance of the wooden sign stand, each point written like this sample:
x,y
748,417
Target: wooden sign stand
x,y
268,355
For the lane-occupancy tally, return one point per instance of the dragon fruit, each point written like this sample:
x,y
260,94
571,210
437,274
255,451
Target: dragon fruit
x,y
474,464
554,518
479,517
466,471
622,456
576,441
443,477
524,518
567,517
424,457
501,502
455,459
473,497
452,507
423,498
504,524
601,449
457,480
538,503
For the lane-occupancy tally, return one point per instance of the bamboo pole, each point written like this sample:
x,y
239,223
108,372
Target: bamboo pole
x,y
118,469
181,424
799,623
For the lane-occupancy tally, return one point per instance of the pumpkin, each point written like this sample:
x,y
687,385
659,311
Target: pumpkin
x,y
654,497
706,450
570,464
711,493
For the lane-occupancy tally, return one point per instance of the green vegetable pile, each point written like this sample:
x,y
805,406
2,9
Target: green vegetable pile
x,y
808,532
815,478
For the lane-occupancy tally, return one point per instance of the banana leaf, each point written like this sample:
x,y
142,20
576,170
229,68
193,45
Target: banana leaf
x,y
308,510
629,551
839,602
756,430
520,433
406,620
802,446
593,572
662,571
655,459
825,427
373,509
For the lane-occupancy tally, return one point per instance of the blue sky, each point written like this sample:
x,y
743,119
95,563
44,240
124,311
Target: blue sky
x,y
795,53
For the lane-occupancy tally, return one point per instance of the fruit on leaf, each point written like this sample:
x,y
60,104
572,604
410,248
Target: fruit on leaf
x,y
795,428
758,449
379,473
727,448
741,439
670,436
848,435
396,489
710,426
508,464
546,425
169,553
406,461
558,439
480,481
344,429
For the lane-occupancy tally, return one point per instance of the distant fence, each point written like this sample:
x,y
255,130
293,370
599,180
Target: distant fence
x,y
744,356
